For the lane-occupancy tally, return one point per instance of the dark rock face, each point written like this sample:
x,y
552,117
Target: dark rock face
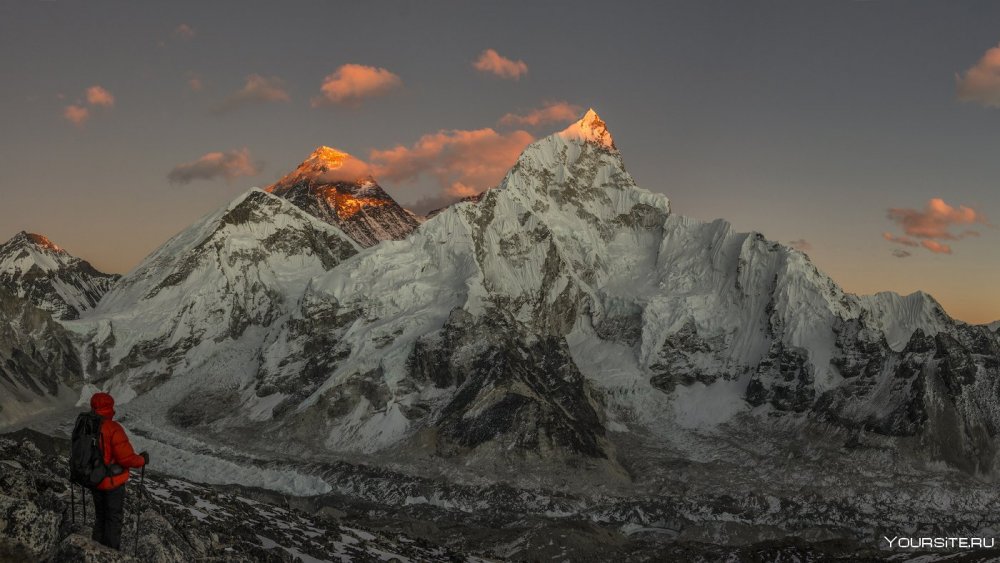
x,y
523,396
784,378
34,268
682,355
37,356
943,389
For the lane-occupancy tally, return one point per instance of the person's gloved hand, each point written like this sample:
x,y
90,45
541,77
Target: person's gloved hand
x,y
145,457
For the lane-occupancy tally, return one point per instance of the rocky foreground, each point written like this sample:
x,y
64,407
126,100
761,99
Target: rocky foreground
x,y
185,521
178,520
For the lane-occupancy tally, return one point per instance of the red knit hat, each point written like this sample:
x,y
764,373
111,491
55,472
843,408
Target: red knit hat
x,y
103,404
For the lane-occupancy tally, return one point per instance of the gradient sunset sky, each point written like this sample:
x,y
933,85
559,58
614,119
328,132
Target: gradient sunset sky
x,y
865,132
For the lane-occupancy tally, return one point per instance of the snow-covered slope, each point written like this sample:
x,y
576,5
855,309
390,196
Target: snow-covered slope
x,y
39,367
202,304
338,189
33,267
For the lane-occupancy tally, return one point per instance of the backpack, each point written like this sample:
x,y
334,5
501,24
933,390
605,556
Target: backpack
x,y
86,456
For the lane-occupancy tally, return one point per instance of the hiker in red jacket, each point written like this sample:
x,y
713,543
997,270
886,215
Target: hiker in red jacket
x,y
109,498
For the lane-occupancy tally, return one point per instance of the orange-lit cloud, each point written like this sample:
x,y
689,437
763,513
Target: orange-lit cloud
x,y
462,162
936,220
936,247
195,83
494,63
550,112
800,244
981,83
351,169
257,90
100,96
229,165
905,241
352,83
184,31
77,115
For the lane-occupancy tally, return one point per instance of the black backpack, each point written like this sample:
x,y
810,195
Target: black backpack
x,y
86,455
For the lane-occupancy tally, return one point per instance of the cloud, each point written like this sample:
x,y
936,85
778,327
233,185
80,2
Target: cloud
x,y
77,115
936,220
905,241
462,162
494,63
257,90
184,31
934,223
352,83
936,247
229,165
800,244
351,169
900,253
195,83
100,96
981,83
550,112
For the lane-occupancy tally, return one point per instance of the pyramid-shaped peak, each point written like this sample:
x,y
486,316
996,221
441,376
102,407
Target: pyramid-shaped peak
x,y
589,129
25,238
329,155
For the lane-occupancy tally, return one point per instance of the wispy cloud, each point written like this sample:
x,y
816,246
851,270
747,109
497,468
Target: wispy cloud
x,y
936,220
94,97
936,247
800,244
257,90
981,83
548,113
905,241
77,115
352,83
934,223
463,163
491,62
184,31
229,165
900,253
100,96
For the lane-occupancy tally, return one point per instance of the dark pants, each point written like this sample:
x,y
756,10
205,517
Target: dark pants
x,y
109,510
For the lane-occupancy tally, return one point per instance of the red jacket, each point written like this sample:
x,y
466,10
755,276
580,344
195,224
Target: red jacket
x,y
114,442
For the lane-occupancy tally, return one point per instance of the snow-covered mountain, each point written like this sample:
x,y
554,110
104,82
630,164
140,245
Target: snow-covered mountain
x,y
39,366
563,314
202,303
35,268
339,189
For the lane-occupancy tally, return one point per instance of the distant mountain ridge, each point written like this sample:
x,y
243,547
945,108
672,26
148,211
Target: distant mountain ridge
x,y
35,268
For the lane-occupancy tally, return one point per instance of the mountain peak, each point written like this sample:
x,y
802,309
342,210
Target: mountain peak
x,y
339,189
327,165
42,242
589,129
328,156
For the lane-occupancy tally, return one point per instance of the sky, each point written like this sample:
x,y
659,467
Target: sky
x,y
864,132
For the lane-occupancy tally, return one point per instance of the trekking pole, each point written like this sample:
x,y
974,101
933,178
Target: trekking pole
x,y
138,513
